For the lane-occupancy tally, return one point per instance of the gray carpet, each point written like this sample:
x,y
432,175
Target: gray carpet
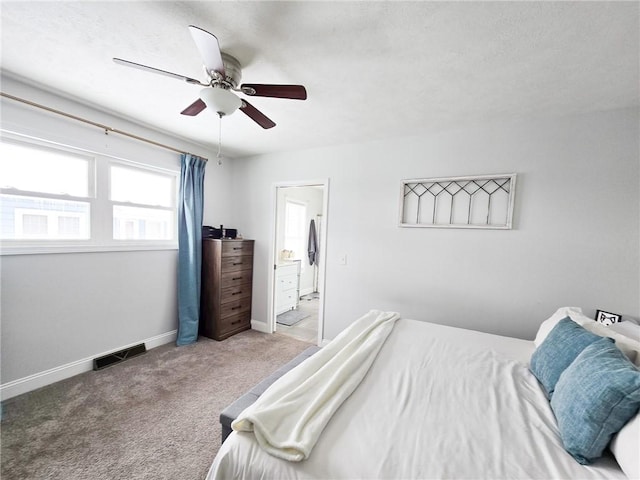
x,y
154,416
291,317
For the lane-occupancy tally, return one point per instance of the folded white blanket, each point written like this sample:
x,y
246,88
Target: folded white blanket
x,y
288,418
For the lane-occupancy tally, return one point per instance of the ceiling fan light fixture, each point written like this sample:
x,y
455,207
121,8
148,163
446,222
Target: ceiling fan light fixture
x,y
220,100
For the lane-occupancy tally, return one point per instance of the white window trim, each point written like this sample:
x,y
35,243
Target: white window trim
x,y
102,240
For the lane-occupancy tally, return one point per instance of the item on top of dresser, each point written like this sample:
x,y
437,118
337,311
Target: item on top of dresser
x,y
231,233
211,232
286,255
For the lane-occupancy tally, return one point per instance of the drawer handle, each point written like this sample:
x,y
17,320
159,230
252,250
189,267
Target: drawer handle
x,y
237,321
236,278
238,263
236,308
237,248
237,293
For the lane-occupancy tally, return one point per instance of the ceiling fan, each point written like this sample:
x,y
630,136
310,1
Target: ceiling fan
x,y
224,73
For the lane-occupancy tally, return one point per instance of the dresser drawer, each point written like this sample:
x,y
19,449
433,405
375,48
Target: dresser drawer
x,y
235,263
230,247
290,269
233,324
288,282
229,279
286,300
235,307
235,292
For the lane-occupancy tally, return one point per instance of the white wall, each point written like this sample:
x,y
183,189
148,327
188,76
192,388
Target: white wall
x,y
575,239
58,310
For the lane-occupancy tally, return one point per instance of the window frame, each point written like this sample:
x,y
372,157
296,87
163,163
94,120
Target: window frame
x,y
100,205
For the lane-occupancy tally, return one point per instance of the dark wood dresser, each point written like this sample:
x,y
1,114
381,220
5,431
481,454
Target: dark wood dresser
x,y
225,300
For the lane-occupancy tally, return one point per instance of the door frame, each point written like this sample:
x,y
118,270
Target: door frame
x,y
322,264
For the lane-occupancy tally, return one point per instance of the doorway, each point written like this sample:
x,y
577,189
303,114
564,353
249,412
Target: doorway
x,y
299,246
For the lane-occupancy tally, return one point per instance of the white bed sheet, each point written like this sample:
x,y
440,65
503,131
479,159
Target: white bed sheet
x,y
438,402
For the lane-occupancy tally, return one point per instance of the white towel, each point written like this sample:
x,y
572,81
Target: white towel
x,y
288,418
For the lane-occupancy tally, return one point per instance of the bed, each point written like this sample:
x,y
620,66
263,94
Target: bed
x,y
435,402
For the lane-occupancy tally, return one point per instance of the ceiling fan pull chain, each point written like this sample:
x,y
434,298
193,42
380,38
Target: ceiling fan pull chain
x,y
218,156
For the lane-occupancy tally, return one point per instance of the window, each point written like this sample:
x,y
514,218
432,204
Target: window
x,y
143,204
56,198
46,193
294,228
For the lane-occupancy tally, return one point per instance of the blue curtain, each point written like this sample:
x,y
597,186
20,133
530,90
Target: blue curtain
x,y
190,206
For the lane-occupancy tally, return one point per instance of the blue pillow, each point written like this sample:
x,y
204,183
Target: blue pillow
x,y
594,398
563,344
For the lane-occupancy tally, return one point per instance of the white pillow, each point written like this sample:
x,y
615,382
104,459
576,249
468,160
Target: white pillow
x,y
627,328
575,313
630,347
625,446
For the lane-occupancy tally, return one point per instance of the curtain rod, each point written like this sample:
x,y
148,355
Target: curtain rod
x,y
106,128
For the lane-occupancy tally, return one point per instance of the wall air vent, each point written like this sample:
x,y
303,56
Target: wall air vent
x,y
117,357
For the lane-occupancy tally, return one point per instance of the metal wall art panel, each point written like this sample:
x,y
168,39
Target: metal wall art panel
x,y
484,201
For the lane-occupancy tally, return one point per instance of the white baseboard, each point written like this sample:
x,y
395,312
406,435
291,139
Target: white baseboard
x,y
260,326
306,291
41,379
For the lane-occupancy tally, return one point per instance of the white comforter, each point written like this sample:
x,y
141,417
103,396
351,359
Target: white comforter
x,y
438,402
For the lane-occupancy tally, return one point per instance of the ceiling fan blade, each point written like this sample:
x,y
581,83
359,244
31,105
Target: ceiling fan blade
x,y
127,63
195,108
256,115
294,92
209,49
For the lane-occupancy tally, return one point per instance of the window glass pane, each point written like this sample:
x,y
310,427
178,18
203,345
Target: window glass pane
x,y
34,218
135,223
68,225
141,186
294,228
33,224
36,169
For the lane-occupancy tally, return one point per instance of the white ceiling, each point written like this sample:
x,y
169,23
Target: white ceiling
x,y
372,69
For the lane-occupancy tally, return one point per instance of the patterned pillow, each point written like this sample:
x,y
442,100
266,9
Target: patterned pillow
x,y
594,398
